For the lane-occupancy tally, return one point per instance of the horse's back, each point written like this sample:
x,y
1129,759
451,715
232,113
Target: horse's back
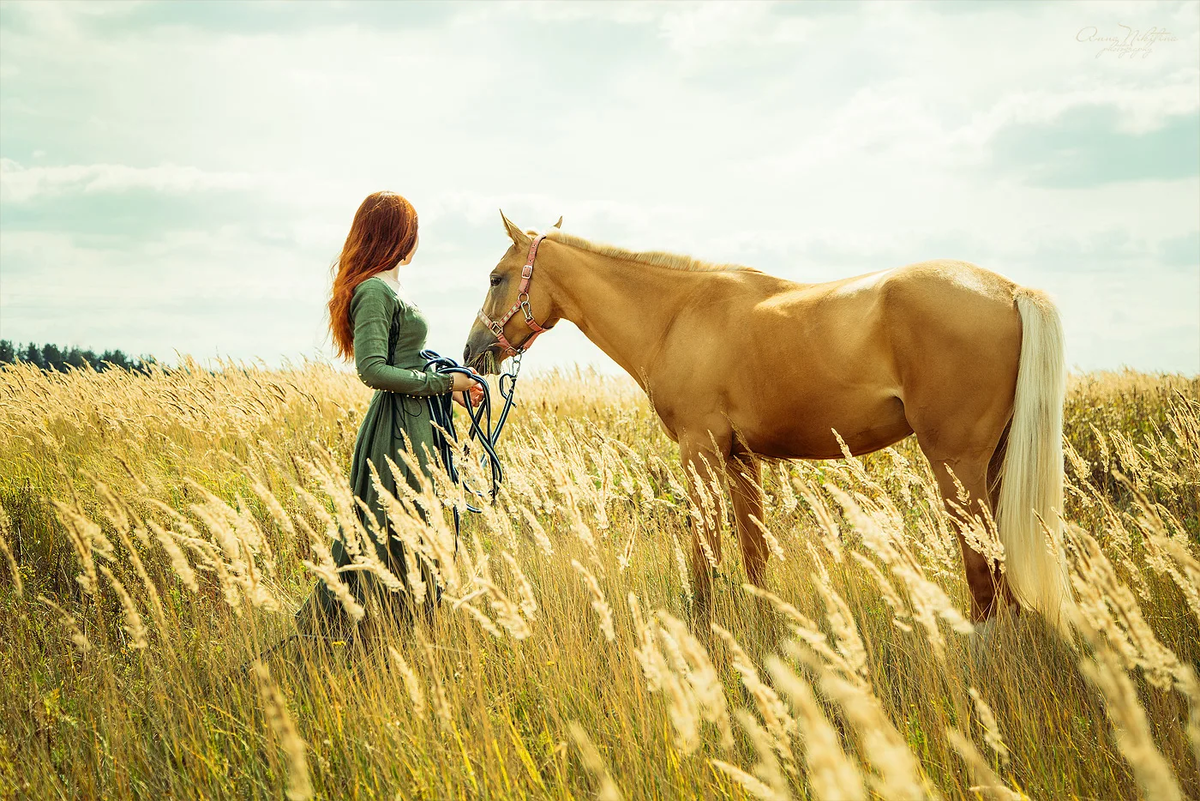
x,y
873,325
946,283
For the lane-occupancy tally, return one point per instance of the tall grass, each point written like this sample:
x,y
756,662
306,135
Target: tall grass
x,y
159,531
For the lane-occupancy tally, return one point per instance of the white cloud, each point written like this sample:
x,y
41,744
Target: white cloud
x,y
618,11
700,26
20,184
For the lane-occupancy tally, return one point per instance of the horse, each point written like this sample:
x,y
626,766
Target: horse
x,y
740,365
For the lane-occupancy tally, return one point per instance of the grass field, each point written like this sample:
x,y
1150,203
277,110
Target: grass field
x,y
160,530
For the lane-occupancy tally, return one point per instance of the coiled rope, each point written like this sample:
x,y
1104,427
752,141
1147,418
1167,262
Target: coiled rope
x,y
482,429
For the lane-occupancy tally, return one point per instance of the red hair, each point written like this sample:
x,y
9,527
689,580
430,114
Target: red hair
x,y
384,231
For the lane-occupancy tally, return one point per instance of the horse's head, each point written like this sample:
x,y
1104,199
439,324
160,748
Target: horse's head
x,y
516,307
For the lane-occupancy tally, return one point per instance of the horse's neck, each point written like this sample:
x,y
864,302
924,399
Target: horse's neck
x,y
623,307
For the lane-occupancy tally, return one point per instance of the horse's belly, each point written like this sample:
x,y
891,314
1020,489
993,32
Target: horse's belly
x,y
805,431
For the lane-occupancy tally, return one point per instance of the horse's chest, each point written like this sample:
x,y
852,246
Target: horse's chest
x,y
668,419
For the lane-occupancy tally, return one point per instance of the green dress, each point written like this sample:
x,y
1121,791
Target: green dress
x,y
389,335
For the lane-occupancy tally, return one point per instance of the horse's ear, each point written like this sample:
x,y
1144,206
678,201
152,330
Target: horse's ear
x,y
518,236
559,223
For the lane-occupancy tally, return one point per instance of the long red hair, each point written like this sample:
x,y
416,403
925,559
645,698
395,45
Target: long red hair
x,y
384,231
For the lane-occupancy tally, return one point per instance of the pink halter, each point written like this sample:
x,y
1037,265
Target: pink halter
x,y
522,304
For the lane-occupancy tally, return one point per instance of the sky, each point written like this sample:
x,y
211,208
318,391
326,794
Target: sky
x,y
177,178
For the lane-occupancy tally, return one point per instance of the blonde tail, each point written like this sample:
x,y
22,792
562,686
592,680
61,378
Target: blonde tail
x,y
1032,475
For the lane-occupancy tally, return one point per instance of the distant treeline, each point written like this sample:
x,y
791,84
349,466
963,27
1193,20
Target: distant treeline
x,y
52,357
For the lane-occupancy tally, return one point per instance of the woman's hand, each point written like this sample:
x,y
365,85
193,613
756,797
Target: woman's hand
x,y
462,384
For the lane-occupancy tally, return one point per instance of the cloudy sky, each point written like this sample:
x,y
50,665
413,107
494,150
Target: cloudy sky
x,y
178,177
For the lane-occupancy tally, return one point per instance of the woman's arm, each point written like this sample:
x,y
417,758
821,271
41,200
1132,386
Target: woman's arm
x,y
372,310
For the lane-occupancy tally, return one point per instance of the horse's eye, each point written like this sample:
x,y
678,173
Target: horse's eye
x,y
495,280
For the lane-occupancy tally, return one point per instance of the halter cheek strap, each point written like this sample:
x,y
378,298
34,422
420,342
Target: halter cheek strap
x,y
522,305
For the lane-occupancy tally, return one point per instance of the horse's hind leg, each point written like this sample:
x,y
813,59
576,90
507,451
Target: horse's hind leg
x,y
995,465
965,445
745,489
986,583
959,424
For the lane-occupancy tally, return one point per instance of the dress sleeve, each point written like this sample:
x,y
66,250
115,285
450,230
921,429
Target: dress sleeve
x,y
372,312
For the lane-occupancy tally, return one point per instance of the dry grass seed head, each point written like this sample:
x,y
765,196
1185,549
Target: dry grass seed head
x,y
77,636
1130,725
831,774
299,785
594,764
988,784
134,624
599,602
13,570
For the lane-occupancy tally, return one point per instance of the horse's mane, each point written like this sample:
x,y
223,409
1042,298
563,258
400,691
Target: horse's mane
x,y
654,258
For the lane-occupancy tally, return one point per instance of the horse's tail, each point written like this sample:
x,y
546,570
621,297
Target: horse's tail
x,y
1032,474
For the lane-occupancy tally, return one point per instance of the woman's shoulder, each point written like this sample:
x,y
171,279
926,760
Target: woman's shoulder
x,y
373,284
375,288
375,297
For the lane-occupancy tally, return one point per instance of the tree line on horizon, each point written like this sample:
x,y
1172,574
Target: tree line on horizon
x,y
61,359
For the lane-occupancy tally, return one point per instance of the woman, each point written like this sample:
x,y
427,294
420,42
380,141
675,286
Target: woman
x,y
374,322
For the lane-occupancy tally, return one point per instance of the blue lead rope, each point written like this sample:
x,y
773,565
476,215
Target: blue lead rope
x,y
441,410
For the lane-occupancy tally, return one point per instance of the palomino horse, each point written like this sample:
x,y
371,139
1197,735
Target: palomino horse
x,y
739,364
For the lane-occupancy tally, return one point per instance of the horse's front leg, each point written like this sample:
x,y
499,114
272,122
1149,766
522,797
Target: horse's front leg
x,y
701,464
745,488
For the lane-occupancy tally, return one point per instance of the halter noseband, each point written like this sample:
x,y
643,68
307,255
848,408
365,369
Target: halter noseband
x,y
522,304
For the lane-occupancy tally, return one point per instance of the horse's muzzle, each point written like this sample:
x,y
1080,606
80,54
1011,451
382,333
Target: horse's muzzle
x,y
482,352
